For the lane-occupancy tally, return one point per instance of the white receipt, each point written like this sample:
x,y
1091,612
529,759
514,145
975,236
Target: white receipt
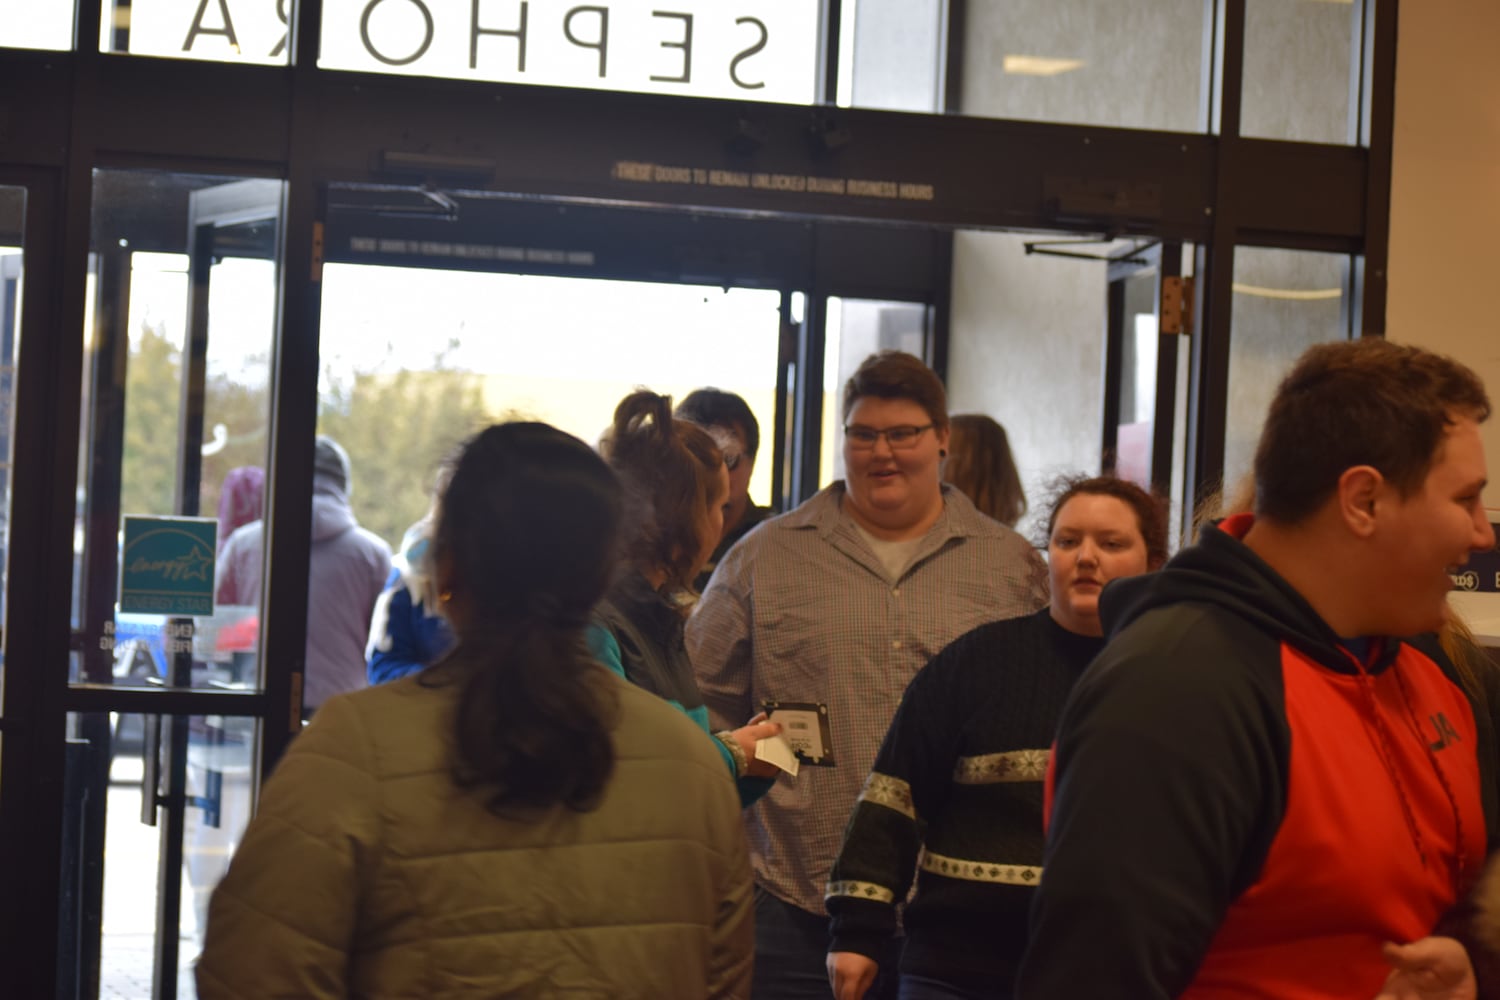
x,y
776,750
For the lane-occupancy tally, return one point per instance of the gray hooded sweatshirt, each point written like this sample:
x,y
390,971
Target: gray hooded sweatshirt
x,y
348,568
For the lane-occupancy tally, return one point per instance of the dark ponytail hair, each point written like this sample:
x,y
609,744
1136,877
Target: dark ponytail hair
x,y
524,543
669,470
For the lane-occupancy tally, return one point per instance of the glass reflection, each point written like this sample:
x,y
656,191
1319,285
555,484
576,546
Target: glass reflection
x,y
36,24
12,219
1297,72
1128,64
1284,302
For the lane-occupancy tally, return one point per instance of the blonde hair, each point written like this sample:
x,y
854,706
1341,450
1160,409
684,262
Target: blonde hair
x,y
1222,503
1470,661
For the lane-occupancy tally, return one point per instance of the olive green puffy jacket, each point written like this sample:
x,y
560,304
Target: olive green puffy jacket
x,y
367,873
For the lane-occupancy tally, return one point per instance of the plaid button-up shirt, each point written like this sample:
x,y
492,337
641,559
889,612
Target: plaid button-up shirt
x,y
801,610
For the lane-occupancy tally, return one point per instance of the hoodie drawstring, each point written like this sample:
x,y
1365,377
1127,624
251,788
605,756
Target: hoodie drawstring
x,y
1460,852
1388,758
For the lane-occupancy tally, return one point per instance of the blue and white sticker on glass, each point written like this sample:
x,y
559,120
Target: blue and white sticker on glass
x,y
167,565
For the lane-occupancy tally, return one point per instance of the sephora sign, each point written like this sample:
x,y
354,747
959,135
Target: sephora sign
x,y
763,50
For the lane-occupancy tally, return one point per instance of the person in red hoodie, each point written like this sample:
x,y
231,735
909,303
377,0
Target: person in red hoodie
x,y
1258,789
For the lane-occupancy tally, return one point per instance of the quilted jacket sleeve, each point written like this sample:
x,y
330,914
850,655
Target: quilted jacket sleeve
x,y
283,921
732,944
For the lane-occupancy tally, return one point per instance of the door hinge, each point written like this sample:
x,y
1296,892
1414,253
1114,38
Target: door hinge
x,y
294,724
1176,305
317,251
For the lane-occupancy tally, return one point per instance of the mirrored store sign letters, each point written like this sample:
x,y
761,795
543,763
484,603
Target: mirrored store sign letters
x,y
765,50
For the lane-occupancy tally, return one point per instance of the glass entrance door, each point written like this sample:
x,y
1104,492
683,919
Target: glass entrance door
x,y
166,687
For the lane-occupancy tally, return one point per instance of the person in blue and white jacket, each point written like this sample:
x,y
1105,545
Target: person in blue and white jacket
x,y
407,631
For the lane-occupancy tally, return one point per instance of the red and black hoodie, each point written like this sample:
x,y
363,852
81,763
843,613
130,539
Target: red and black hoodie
x,y
1242,805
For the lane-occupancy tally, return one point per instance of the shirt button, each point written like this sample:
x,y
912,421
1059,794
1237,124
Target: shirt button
x,y
896,592
896,644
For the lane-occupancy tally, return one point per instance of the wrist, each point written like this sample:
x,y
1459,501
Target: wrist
x,y
736,752
872,944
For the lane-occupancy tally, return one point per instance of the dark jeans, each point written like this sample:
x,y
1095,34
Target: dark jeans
x,y
923,988
791,955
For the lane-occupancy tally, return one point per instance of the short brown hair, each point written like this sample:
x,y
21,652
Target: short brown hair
x,y
1358,402
981,466
1150,510
669,469
898,375
710,408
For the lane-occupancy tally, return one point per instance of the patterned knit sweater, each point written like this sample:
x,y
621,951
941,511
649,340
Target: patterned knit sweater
x,y
958,782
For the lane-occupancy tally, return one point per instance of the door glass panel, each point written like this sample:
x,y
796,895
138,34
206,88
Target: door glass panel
x,y
1284,302
857,328
1299,58
1137,416
1027,339
414,360
12,223
174,440
1129,64
180,348
892,54
36,24
218,776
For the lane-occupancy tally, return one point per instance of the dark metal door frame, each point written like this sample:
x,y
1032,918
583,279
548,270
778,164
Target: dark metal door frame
x,y
36,615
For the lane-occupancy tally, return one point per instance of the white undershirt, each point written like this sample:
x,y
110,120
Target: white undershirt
x,y
894,556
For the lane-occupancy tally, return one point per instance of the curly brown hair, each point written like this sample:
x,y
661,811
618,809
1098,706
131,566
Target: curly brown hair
x,y
670,471
1150,510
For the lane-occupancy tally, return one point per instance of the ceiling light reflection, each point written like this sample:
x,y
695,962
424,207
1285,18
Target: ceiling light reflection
x,y
1039,65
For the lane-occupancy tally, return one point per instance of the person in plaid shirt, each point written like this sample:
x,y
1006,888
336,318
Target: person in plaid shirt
x,y
838,604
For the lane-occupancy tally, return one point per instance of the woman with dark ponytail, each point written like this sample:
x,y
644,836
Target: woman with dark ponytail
x,y
676,487
514,821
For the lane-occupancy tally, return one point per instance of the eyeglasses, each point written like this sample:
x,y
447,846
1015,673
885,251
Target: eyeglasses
x,y
905,436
